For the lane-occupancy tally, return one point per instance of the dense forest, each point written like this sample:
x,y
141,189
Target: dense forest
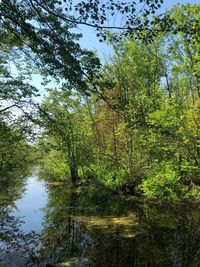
x,y
128,126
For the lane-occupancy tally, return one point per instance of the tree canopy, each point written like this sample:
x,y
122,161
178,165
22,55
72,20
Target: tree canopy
x,y
44,32
131,125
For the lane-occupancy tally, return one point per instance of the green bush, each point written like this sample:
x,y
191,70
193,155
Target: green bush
x,y
164,183
115,179
110,179
55,166
194,193
87,174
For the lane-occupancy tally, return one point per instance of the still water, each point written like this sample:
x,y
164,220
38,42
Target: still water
x,y
44,223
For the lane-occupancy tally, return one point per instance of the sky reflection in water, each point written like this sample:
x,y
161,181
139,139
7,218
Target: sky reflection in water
x,y
50,223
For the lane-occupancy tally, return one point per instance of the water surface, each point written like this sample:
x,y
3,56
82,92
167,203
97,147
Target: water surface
x,y
30,205
49,223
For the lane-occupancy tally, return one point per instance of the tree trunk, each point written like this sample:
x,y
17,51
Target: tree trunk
x,y
74,174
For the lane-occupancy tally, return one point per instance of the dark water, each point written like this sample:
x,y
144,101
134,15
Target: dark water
x,y
49,223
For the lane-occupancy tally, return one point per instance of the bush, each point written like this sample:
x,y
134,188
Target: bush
x,y
55,166
164,183
115,179
110,179
194,193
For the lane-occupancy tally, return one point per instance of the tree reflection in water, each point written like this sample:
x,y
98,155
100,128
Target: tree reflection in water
x,y
16,247
79,230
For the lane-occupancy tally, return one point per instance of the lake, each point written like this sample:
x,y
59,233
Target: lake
x,y
49,223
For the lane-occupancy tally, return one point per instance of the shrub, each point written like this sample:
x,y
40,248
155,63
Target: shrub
x,y
164,183
55,166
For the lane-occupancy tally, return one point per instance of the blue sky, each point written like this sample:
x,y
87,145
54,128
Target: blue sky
x,y
91,42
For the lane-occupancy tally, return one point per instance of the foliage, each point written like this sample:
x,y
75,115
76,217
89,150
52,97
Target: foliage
x,y
66,123
164,183
15,152
37,30
142,133
131,124
55,166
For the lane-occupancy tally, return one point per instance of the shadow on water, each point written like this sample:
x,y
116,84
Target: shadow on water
x,y
75,230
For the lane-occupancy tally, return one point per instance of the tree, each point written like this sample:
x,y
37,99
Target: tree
x,y
136,74
155,94
65,122
44,31
47,41
15,151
